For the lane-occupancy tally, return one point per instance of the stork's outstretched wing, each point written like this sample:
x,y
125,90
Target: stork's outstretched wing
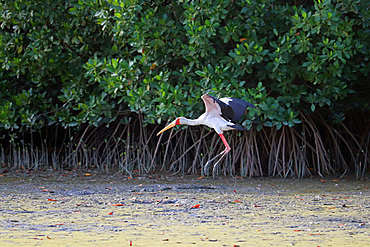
x,y
238,106
230,108
211,104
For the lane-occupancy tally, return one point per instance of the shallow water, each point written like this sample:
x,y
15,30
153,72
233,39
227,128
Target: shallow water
x,y
74,210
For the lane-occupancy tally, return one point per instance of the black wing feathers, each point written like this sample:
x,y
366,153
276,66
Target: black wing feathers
x,y
238,106
226,111
231,108
237,126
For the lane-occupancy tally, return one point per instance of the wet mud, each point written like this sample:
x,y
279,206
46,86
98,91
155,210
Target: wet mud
x,y
67,209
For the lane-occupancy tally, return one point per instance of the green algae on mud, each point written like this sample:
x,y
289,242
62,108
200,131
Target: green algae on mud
x,y
70,210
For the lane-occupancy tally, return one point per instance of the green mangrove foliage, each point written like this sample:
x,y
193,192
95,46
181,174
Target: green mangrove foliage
x,y
88,62
74,62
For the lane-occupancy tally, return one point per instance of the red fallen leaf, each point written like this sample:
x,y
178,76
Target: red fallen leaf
x,y
130,243
111,213
166,239
312,234
53,200
118,205
234,191
195,206
64,175
257,206
322,180
48,237
200,177
236,245
296,230
108,188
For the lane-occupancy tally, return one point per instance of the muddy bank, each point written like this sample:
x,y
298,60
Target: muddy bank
x,y
67,209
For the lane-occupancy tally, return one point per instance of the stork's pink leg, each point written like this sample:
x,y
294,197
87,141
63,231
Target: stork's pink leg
x,y
222,154
225,143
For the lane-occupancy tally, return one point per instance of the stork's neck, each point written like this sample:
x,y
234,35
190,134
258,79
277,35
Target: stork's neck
x,y
184,120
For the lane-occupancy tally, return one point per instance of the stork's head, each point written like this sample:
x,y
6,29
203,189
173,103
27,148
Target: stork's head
x,y
171,125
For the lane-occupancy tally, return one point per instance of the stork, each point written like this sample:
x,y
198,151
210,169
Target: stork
x,y
220,115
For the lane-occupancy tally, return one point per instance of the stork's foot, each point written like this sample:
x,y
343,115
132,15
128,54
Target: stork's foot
x,y
214,171
222,154
206,168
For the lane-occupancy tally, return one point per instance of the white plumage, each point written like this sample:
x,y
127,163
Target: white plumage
x,y
219,115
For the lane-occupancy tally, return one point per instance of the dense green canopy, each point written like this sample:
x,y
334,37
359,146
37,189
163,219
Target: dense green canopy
x,y
78,63
73,62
